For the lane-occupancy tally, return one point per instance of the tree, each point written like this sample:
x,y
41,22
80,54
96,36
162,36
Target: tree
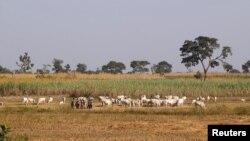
x,y
201,50
113,67
57,65
227,67
25,63
44,70
4,70
67,68
162,67
139,66
81,68
246,66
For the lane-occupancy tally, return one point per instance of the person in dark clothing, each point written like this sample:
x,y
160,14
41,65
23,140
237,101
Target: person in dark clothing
x,y
73,103
90,101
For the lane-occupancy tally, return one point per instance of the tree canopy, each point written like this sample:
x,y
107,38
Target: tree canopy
x,y
139,66
162,67
81,68
227,67
4,70
113,67
24,63
246,66
57,65
201,50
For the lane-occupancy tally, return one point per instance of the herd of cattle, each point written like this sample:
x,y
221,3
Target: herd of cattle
x,y
156,101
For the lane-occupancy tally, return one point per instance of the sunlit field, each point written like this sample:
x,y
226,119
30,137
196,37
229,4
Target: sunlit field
x,y
52,121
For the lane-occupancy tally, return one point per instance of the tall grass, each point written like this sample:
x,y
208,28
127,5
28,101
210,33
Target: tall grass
x,y
131,85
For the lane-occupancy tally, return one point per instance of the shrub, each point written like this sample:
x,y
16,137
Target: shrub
x,y
3,132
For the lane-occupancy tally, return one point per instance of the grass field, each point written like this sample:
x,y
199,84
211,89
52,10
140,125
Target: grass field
x,y
56,122
130,85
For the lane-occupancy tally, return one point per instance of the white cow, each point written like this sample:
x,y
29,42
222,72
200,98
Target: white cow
x,y
144,100
215,99
32,100
105,100
127,102
136,102
208,98
181,101
199,103
243,100
121,97
25,100
63,101
171,102
156,102
41,100
50,99
157,96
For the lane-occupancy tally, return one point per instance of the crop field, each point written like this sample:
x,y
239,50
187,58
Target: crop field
x,y
47,122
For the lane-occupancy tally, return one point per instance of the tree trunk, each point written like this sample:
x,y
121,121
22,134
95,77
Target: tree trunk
x,y
205,75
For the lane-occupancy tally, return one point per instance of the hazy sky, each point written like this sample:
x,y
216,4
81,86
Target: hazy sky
x,y
97,31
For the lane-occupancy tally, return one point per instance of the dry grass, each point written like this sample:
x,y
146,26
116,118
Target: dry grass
x,y
106,76
53,122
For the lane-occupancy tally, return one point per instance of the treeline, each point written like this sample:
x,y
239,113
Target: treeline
x,y
138,66
200,51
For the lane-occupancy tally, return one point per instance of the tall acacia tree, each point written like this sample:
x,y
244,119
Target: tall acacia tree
x,y
25,62
201,50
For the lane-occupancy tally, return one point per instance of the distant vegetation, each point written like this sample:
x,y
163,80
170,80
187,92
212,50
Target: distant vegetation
x,y
201,51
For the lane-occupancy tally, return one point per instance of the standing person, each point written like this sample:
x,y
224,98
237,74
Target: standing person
x,y
73,103
90,101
